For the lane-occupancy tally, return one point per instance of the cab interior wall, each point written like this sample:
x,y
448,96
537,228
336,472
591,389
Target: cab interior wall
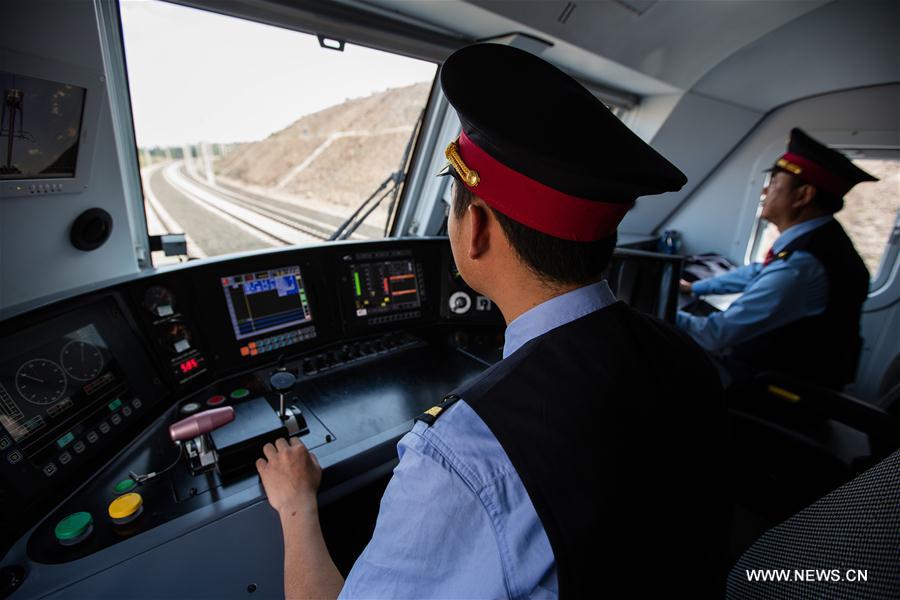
x,y
835,47
36,257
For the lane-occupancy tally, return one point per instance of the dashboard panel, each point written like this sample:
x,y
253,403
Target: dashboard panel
x,y
341,345
70,386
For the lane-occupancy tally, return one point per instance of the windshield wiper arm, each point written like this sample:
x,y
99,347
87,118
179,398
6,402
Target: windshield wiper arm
x,y
347,228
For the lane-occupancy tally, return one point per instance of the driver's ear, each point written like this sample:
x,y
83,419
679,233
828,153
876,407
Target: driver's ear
x,y
805,195
479,232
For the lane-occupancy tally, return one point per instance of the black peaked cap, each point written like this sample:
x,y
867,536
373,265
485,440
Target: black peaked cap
x,y
539,121
831,160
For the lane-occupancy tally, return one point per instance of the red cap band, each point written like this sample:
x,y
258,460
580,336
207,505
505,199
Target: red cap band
x,y
536,205
812,173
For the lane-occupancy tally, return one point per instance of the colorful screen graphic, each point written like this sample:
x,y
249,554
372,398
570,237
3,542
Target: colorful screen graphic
x,y
266,301
385,287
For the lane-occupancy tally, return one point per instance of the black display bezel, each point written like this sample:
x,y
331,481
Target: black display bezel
x,y
30,492
216,320
259,334
428,289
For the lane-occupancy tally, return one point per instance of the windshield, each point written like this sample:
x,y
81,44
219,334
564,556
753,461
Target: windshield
x,y
251,136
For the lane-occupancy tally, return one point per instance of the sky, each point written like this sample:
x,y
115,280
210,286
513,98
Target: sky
x,y
198,76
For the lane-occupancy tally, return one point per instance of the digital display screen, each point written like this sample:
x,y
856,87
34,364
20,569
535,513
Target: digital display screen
x,y
385,287
50,384
266,301
41,126
188,366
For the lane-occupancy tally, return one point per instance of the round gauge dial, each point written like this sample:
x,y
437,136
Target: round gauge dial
x,y
81,360
159,300
41,381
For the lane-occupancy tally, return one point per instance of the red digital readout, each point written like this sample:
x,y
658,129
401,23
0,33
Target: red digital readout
x,y
189,365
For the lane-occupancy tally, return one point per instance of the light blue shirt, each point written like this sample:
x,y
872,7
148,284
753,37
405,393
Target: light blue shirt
x,y
773,295
455,520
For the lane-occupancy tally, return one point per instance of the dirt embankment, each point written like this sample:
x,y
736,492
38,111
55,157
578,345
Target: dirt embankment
x,y
870,210
338,155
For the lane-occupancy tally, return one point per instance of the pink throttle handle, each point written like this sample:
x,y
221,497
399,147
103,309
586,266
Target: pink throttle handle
x,y
200,423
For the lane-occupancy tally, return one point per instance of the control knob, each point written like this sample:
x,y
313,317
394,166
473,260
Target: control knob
x,y
281,381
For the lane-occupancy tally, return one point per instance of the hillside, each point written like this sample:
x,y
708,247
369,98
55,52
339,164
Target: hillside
x,y
338,155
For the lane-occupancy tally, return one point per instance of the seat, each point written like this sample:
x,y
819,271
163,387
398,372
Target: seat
x,y
646,281
844,545
795,442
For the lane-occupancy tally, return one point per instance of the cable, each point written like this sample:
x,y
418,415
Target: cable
x,y
147,477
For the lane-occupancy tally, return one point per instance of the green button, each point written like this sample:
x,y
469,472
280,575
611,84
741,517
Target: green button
x,y
240,393
115,404
73,526
65,440
126,485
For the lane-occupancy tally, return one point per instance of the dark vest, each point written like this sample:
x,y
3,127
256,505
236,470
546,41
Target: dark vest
x,y
615,424
823,349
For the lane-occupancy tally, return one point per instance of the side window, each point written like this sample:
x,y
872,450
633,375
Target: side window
x,y
870,212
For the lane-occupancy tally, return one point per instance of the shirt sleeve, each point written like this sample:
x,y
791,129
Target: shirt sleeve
x,y
433,537
783,293
731,282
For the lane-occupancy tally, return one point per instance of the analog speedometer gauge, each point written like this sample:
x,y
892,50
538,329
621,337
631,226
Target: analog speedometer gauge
x,y
81,360
41,381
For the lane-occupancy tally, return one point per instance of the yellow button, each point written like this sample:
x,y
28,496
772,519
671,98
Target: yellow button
x,y
125,505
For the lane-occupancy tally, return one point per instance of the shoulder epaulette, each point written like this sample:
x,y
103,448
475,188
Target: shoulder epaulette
x,y
784,254
430,416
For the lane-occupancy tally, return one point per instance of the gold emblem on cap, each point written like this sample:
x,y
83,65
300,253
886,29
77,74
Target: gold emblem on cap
x,y
469,176
789,166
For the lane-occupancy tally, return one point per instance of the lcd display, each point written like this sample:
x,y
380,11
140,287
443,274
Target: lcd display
x,y
40,126
385,287
266,301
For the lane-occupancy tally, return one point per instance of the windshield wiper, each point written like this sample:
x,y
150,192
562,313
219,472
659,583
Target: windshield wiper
x,y
352,223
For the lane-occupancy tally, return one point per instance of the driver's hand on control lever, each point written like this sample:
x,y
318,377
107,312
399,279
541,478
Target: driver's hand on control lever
x,y
290,474
685,286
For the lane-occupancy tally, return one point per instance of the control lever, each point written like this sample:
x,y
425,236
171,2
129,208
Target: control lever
x,y
189,428
201,423
281,381
194,429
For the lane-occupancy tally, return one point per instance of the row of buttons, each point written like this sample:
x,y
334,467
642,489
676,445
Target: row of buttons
x,y
78,447
278,341
77,527
348,353
216,400
43,188
392,318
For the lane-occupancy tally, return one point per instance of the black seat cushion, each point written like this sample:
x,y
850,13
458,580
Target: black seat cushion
x,y
854,528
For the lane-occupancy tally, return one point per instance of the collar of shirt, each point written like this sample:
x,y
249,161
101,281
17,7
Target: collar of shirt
x,y
792,233
556,312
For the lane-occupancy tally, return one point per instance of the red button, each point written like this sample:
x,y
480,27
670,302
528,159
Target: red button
x,y
215,400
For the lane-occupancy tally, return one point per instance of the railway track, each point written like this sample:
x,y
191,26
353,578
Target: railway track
x,y
308,220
